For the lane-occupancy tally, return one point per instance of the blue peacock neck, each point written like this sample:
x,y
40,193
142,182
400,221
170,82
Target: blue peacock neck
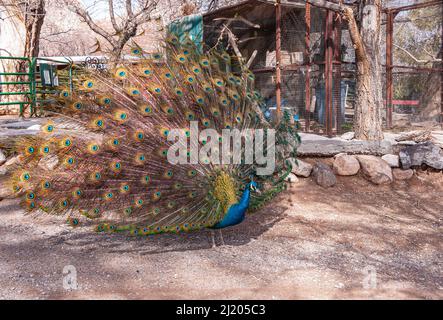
x,y
244,201
236,212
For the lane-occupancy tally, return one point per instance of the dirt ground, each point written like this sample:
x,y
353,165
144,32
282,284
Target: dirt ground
x,y
352,241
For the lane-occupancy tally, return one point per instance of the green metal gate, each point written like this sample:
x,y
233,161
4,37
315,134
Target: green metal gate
x,y
29,89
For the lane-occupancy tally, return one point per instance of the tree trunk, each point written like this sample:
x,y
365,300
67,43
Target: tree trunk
x,y
366,40
33,17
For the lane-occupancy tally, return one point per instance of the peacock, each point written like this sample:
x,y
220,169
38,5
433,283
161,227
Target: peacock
x,y
101,158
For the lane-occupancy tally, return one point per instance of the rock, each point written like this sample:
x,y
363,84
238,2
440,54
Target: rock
x,y
345,165
314,145
2,157
392,159
375,169
348,135
49,162
291,178
323,175
422,153
300,168
400,174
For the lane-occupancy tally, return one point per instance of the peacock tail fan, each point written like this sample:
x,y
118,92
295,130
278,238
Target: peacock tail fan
x,y
103,156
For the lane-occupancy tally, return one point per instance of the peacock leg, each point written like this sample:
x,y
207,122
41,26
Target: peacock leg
x,y
221,237
213,238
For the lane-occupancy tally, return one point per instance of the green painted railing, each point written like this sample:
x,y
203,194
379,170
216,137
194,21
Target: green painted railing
x,y
28,89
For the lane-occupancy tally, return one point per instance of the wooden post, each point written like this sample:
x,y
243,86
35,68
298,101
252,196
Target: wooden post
x,y
337,78
278,58
307,59
389,88
328,71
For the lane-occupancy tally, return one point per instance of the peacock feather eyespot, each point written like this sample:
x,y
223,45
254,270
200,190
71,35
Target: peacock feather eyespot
x,y
163,152
204,62
69,161
30,150
178,185
146,179
116,166
120,116
77,106
200,100
109,196
192,173
88,85
181,58
196,70
168,174
164,132
140,158
93,148
139,136
77,193
99,123
44,149
179,92
190,115
192,194
66,142
156,196
48,128
155,212
31,205
46,185
25,177
95,176
124,188
219,82
121,73
30,195
64,94
190,79
156,56
145,110
133,92
147,72
128,211
206,122
64,203
138,202
73,222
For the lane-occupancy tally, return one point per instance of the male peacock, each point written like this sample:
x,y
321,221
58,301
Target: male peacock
x,y
110,145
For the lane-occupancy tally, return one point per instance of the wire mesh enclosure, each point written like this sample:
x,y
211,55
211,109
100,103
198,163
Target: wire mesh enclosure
x,y
414,69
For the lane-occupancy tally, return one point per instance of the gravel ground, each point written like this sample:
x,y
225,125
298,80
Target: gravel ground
x,y
352,241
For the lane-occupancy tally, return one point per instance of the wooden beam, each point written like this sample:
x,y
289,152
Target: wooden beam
x,y
278,58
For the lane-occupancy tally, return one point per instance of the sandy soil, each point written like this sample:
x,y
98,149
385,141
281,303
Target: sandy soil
x,y
311,243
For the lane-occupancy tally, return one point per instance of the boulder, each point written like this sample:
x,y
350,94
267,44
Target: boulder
x,y
300,168
422,153
375,169
392,159
400,174
323,175
348,135
345,165
291,178
2,157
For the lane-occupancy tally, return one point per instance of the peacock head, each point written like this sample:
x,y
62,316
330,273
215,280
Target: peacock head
x,y
253,186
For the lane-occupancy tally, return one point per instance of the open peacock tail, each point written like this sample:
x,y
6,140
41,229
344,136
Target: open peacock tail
x,y
109,144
